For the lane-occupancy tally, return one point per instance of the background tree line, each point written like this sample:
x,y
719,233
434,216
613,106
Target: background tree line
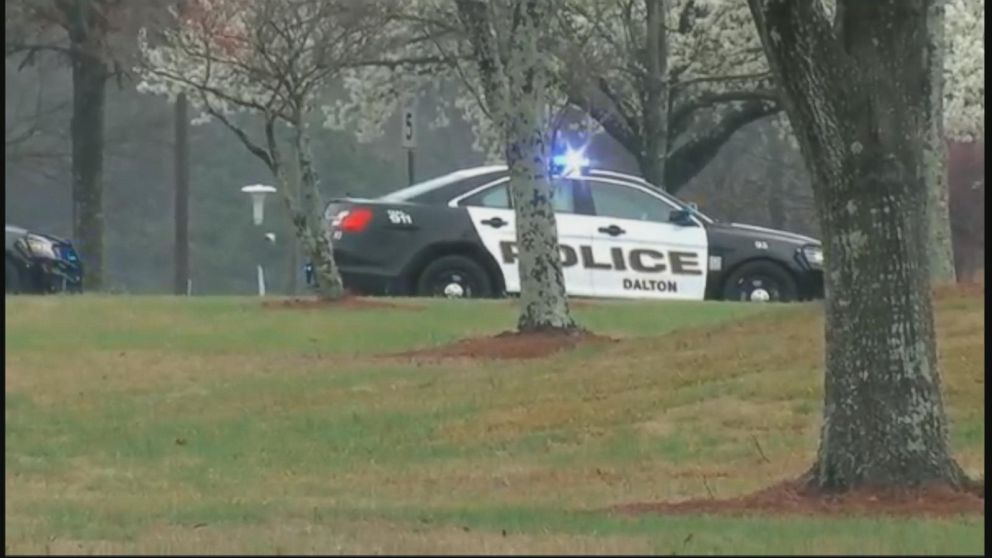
x,y
755,176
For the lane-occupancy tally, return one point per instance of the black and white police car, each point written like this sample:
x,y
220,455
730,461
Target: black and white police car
x,y
620,237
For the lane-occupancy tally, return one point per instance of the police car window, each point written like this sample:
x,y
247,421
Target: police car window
x,y
563,196
497,197
625,202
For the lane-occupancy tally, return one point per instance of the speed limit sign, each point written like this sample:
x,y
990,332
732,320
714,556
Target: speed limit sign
x,y
409,129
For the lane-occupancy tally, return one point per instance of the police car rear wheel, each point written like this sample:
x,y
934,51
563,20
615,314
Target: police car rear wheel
x,y
454,277
760,282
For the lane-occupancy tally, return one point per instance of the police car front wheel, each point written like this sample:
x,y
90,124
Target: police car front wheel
x,y
454,277
760,282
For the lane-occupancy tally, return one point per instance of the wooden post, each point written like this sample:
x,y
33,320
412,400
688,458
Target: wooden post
x,y
181,254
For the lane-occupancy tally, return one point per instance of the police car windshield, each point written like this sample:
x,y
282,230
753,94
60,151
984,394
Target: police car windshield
x,y
410,192
685,206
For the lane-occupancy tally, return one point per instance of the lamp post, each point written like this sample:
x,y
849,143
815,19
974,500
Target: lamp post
x,y
258,193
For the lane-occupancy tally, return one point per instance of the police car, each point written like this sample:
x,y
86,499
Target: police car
x,y
620,237
39,263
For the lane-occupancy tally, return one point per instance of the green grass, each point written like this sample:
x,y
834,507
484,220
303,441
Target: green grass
x,y
223,324
160,425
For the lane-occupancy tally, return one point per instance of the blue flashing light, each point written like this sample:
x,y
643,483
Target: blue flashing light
x,y
570,163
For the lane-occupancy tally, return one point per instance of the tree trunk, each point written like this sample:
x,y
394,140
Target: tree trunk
x,y
941,250
515,94
776,194
858,111
181,247
655,102
309,222
89,77
292,278
543,302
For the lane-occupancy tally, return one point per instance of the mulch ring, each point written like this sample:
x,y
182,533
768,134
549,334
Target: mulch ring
x,y
348,302
509,345
795,498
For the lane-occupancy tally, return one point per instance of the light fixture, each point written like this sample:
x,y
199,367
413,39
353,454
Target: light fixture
x,y
258,193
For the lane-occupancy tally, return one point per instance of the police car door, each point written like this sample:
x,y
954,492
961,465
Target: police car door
x,y
638,252
493,219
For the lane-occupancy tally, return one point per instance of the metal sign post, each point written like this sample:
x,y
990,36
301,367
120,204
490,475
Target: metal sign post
x,y
408,134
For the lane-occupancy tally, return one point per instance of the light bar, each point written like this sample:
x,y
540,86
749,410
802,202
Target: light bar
x,y
570,163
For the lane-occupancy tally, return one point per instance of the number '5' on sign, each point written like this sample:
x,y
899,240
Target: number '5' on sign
x,y
409,133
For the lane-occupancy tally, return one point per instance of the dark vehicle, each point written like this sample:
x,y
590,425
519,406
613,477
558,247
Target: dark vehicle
x,y
39,263
620,237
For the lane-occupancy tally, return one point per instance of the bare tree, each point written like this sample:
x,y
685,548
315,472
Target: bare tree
x,y
87,33
36,112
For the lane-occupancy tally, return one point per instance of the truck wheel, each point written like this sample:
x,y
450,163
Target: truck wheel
x,y
760,281
11,278
454,277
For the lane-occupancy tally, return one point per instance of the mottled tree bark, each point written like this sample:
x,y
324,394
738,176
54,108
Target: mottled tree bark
x,y
855,102
941,250
543,302
310,226
515,92
306,216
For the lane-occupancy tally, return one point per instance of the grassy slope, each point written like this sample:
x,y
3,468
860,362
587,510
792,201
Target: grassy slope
x,y
157,425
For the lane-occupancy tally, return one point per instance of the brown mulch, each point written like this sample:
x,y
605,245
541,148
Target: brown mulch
x,y
347,303
795,498
509,345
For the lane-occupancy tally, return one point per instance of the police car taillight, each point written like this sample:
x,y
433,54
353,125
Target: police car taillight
x,y
353,220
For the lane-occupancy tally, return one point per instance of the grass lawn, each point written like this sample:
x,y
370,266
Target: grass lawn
x,y
164,425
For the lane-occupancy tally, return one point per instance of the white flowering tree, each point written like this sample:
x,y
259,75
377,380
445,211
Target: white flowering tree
x,y
495,53
677,102
673,80
851,85
670,80
272,59
957,92
964,70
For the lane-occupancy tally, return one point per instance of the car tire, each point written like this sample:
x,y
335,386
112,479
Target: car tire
x,y
454,277
12,281
760,281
